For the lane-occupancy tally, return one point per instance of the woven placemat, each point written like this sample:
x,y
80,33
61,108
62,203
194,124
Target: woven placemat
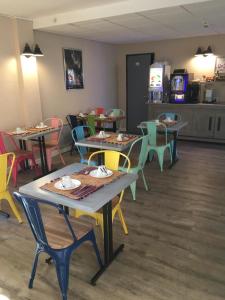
x,y
113,139
86,180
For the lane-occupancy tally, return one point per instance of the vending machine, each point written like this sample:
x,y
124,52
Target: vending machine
x,y
159,75
179,86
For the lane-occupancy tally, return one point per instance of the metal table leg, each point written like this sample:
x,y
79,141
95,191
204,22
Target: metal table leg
x,y
114,126
44,155
109,254
41,155
174,153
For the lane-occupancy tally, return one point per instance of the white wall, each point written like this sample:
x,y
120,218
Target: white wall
x,y
178,52
99,69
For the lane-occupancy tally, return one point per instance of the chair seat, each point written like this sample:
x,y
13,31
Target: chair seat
x,y
58,234
22,153
115,201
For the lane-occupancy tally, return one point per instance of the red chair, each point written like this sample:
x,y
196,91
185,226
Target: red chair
x,y
53,142
21,155
99,111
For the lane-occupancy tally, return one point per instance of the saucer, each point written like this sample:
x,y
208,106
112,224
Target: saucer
x,y
41,127
19,132
59,185
95,174
102,136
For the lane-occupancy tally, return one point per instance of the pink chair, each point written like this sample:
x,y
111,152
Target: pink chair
x,y
21,155
52,142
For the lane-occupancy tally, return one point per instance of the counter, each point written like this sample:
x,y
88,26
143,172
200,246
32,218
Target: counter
x,y
206,122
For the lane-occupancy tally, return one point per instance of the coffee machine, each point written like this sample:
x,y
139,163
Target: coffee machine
x,y
159,75
178,86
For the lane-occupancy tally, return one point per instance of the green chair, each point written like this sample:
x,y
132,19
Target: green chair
x,y
91,123
158,143
139,147
116,112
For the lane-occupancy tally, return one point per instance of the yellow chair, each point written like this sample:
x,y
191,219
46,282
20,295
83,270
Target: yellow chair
x,y
112,159
4,181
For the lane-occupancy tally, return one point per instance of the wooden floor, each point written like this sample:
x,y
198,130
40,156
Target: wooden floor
x,y
175,249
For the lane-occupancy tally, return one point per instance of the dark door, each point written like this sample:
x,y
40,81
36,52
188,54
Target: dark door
x,y
137,89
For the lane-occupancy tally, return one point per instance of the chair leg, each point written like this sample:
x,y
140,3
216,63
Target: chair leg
x,y
133,189
14,173
160,154
93,240
33,272
62,261
35,166
151,155
144,180
49,159
61,157
122,220
9,198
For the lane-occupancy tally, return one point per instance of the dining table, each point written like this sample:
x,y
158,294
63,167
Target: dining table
x,y
99,199
108,143
104,120
172,129
37,135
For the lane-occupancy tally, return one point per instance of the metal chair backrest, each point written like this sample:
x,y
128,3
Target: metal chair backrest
x,y
172,115
152,132
116,112
34,217
99,110
78,133
72,121
142,142
5,173
112,159
91,123
55,122
4,136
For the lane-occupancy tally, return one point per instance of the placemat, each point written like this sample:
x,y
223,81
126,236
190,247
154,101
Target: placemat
x,y
88,184
30,131
113,139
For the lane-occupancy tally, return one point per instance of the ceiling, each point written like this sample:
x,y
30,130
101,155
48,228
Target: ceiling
x,y
120,22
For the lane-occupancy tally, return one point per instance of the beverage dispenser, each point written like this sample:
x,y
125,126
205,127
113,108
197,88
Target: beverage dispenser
x,y
178,86
159,74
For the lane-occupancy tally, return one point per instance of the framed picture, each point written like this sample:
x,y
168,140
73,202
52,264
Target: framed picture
x,y
220,65
73,69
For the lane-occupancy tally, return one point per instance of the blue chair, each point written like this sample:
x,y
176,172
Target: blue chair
x,y
78,133
56,237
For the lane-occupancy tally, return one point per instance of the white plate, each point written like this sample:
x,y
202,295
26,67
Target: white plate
x,y
94,174
19,132
59,185
102,137
101,117
41,127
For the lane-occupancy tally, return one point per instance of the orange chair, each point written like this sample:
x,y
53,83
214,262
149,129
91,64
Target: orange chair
x,y
53,142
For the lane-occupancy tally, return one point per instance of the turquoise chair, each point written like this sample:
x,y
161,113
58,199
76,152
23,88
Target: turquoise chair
x,y
158,143
78,133
141,145
173,116
116,112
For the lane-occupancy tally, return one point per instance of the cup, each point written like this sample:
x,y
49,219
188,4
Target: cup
x,y
92,112
67,181
120,137
81,114
102,115
157,121
42,124
18,129
102,133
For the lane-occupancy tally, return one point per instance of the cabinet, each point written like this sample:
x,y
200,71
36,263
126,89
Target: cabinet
x,y
205,122
219,128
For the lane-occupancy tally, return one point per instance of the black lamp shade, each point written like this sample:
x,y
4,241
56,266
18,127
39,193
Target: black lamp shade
x,y
199,52
37,51
27,51
208,51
